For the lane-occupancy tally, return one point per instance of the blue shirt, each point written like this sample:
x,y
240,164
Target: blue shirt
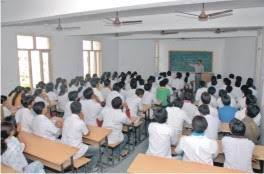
x,y
226,113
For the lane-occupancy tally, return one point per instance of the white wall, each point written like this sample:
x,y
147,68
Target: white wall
x,y
109,55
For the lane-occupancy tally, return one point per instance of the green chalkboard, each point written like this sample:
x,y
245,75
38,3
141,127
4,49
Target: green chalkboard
x,y
180,60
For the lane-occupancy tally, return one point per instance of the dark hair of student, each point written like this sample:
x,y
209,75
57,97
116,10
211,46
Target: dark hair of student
x,y
168,73
229,89
73,95
252,110
251,99
231,76
38,107
226,100
163,82
202,84
3,99
237,127
133,83
116,87
58,81
88,93
199,124
116,103
204,109
178,102
238,79
160,115
188,96
11,119
211,90
76,107
107,82
27,100
141,82
94,82
178,75
139,92
49,87
250,83
41,85
206,98
37,92
6,130
186,78
219,76
17,91
213,81
147,86
222,92
63,90
238,84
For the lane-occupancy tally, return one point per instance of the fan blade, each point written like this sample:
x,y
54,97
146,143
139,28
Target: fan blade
x,y
219,13
71,28
187,13
129,22
109,19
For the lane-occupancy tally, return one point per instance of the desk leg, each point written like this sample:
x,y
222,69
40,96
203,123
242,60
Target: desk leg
x,y
261,163
72,165
62,169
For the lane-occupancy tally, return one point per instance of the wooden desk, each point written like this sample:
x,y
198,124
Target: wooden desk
x,y
97,136
52,154
6,169
151,164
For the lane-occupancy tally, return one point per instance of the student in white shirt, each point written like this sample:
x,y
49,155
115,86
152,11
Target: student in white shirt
x,y
206,99
113,94
62,98
41,96
250,84
95,85
190,109
229,90
12,152
134,101
178,82
161,135
236,92
213,101
90,107
53,97
24,116
197,147
113,118
177,117
238,150
148,98
107,89
73,130
133,86
42,125
200,91
72,96
5,107
213,122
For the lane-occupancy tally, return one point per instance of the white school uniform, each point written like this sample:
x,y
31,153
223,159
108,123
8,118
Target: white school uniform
x,y
238,153
199,93
213,127
105,92
242,114
53,97
130,93
24,117
254,92
213,111
6,111
91,110
241,102
114,119
62,101
133,104
178,84
67,111
213,101
73,130
161,137
98,94
232,102
190,109
148,98
73,88
198,149
237,93
40,99
44,127
111,96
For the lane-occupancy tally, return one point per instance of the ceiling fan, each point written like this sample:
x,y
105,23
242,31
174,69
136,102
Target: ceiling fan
x,y
60,28
219,30
117,22
167,32
203,16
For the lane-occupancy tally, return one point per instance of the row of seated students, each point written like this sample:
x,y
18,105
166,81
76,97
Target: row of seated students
x,y
107,101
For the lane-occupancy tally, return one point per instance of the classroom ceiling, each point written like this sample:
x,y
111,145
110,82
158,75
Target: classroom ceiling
x,y
157,15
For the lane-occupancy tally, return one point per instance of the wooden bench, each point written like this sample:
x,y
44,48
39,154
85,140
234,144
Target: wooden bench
x,y
80,162
7,169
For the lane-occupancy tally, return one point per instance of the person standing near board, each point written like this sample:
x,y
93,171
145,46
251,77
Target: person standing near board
x,y
198,69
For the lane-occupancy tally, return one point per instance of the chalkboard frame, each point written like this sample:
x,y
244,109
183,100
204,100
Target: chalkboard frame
x,y
206,51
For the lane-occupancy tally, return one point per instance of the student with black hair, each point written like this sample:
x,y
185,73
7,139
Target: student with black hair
x,y
133,86
24,115
197,147
163,93
12,152
232,78
90,107
236,92
42,125
148,98
178,82
237,149
72,96
106,90
199,91
41,96
177,117
114,93
95,85
212,91
134,102
73,130
213,122
227,112
242,101
206,99
161,135
53,97
63,98
6,109
188,106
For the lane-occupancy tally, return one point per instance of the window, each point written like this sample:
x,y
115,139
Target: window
x,y
91,57
33,60
157,56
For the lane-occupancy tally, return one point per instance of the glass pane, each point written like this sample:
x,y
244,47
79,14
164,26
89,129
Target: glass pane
x,y
23,64
85,63
98,62
42,42
45,60
35,62
24,42
92,63
87,45
96,45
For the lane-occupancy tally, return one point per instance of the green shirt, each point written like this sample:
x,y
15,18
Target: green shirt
x,y
162,95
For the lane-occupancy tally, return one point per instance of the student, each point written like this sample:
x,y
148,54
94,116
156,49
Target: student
x,y
227,112
113,94
63,98
72,96
213,122
133,102
236,92
133,86
53,97
90,107
161,136
42,125
73,130
197,147
178,82
213,102
41,96
252,130
113,118
199,91
241,104
250,84
24,116
177,117
232,78
190,109
148,98
219,102
15,97
206,99
95,85
5,111
163,94
107,89
238,150
229,90
12,152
